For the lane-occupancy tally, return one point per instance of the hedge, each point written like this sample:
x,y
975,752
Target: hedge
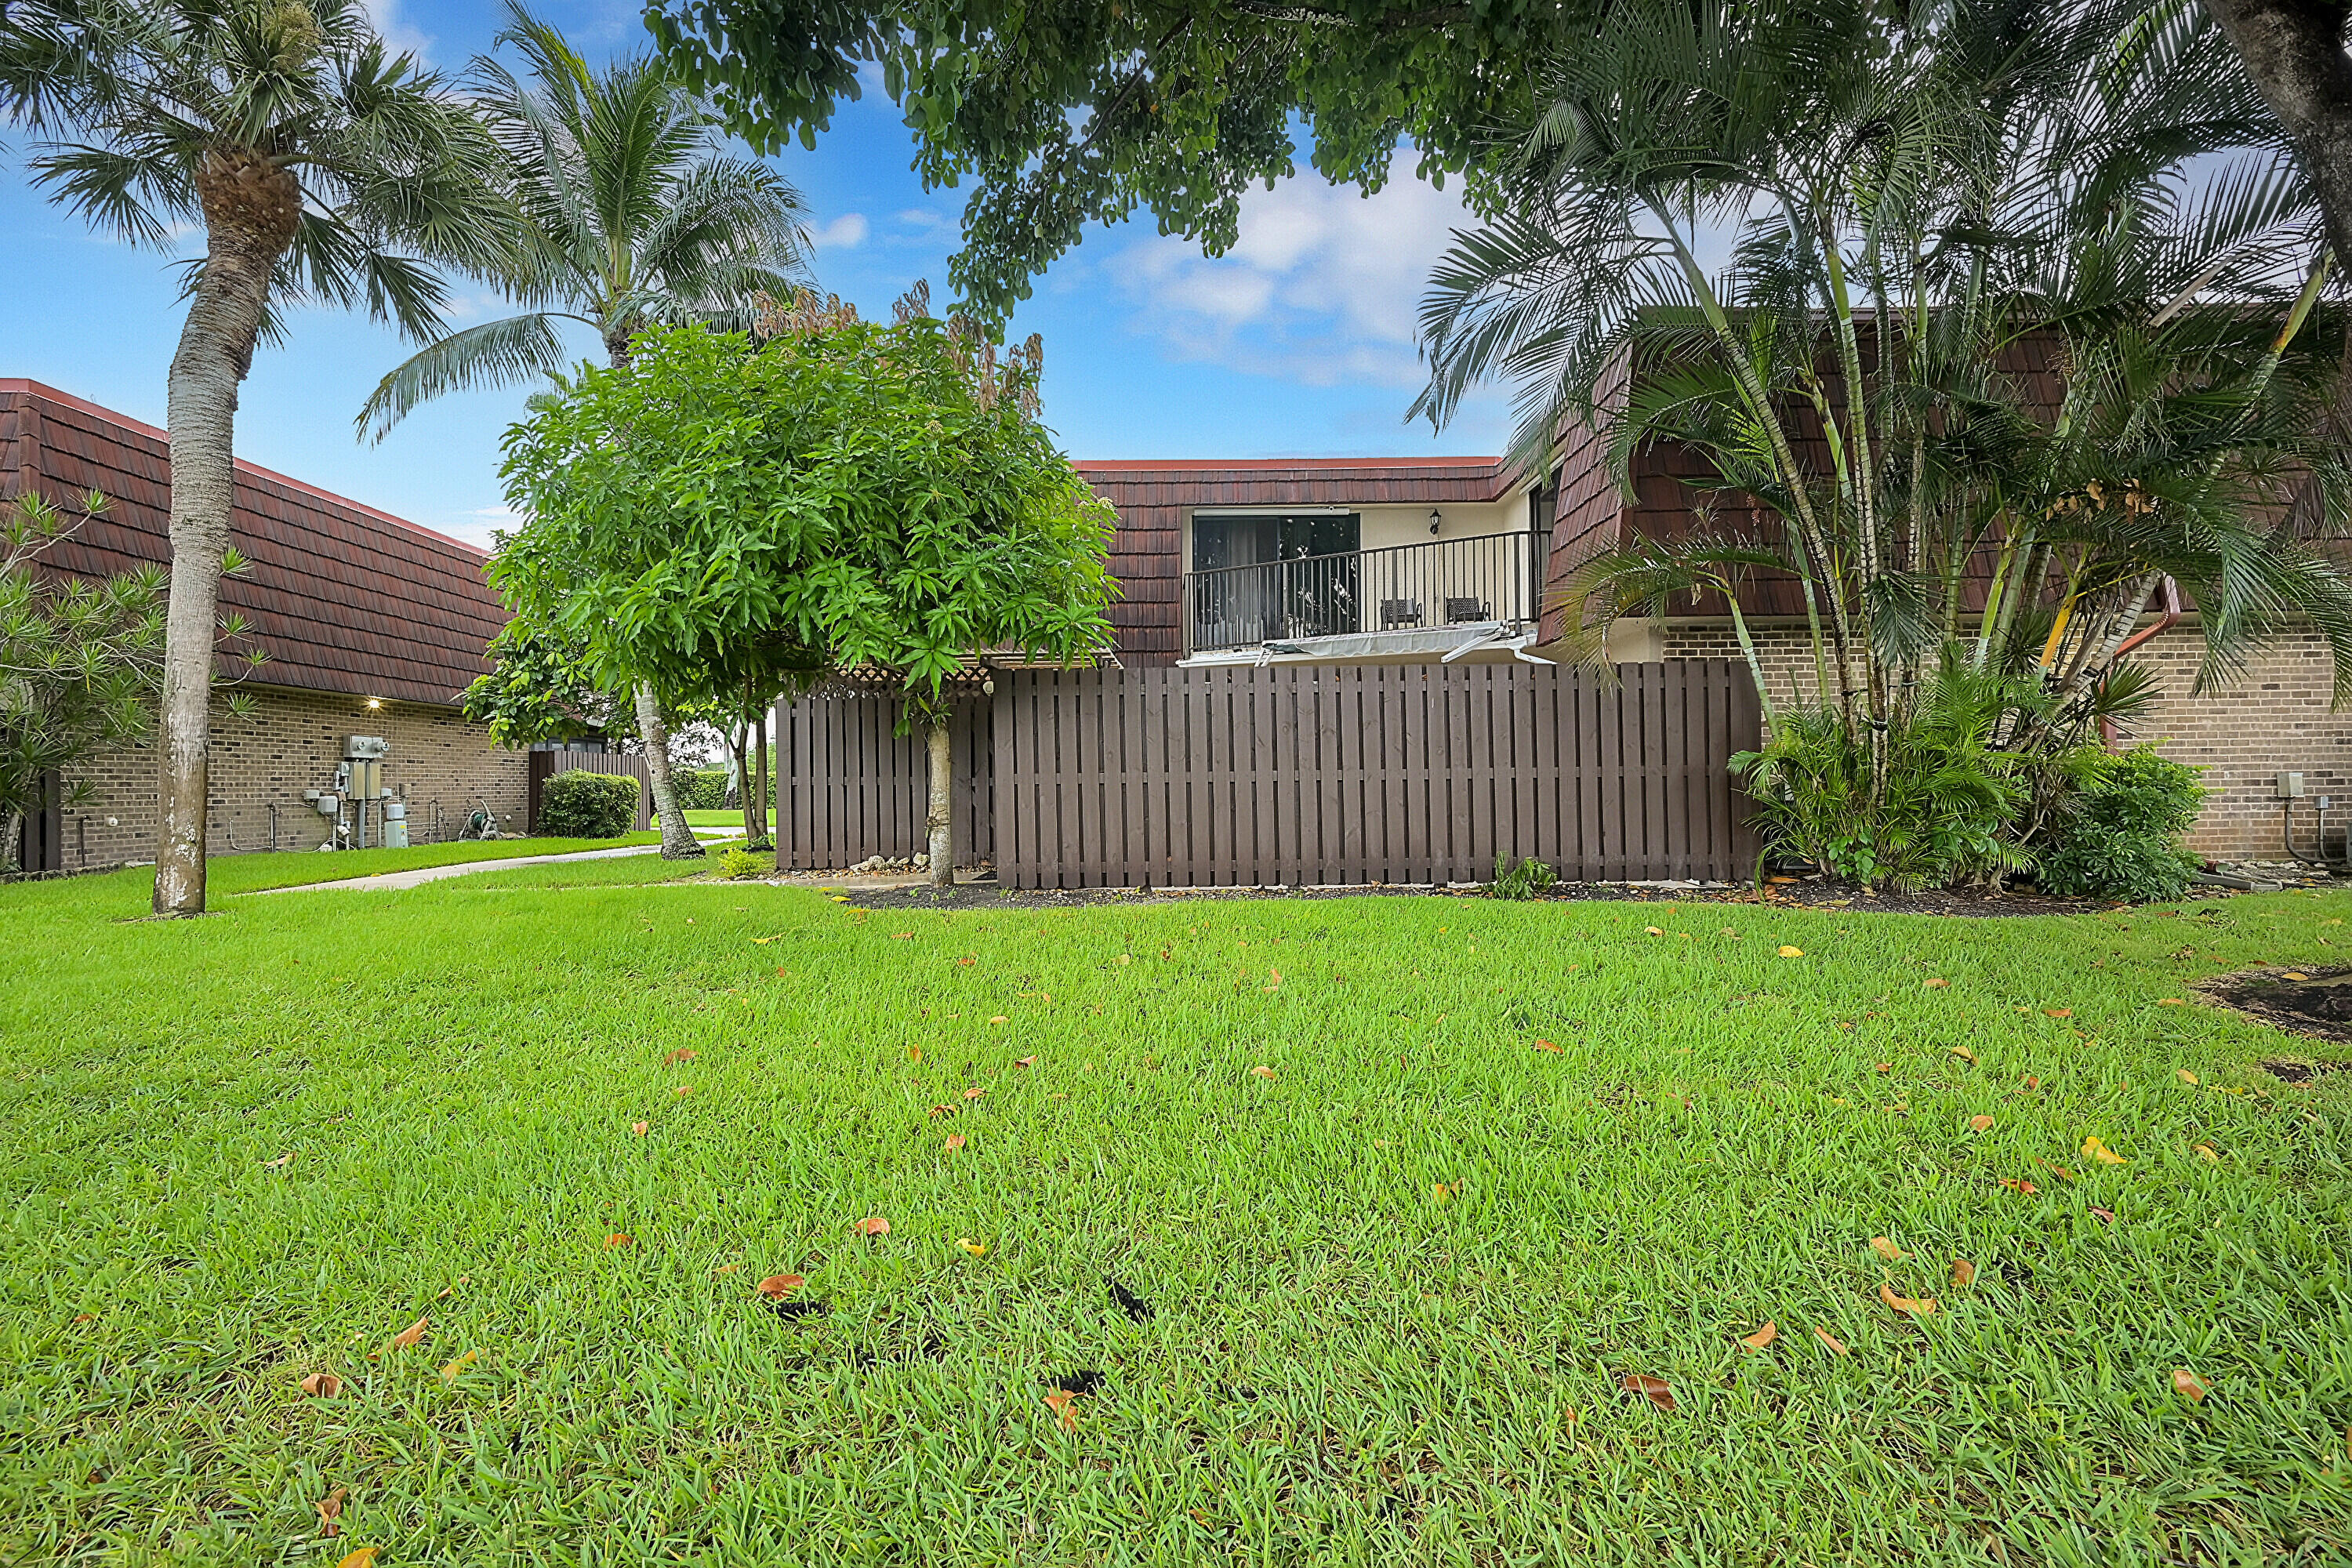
x,y
578,804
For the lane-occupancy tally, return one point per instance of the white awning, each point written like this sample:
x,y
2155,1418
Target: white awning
x,y
1481,640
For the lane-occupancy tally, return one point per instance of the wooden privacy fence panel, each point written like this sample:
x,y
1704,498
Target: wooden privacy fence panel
x,y
545,765
849,787
1293,775
1302,774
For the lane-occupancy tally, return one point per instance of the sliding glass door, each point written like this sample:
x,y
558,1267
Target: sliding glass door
x,y
1273,576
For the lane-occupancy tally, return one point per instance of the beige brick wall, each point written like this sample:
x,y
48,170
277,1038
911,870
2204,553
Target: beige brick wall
x,y
2275,719
293,743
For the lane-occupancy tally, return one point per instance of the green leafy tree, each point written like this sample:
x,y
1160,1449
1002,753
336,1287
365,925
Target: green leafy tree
x,y
1069,113
79,661
847,496
633,217
539,690
320,168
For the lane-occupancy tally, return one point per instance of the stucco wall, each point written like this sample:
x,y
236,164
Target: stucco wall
x,y
2275,719
292,744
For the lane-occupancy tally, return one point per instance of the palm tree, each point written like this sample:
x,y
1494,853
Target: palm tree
x,y
1908,195
633,217
319,168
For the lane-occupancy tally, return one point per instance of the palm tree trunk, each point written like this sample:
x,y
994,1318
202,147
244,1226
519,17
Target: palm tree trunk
x,y
941,820
678,842
743,791
250,211
12,828
759,739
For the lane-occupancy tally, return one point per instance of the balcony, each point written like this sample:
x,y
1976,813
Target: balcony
x,y
1492,581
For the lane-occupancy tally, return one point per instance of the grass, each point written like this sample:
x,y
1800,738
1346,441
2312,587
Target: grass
x,y
252,873
1395,1284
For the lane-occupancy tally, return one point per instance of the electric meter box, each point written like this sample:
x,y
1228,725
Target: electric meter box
x,y
371,748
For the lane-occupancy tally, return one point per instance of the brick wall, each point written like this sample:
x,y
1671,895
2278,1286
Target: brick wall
x,y
2273,719
292,744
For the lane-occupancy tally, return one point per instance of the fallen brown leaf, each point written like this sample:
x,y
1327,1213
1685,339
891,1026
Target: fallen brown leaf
x,y
2016,1185
1885,1066
999,1018
2185,1076
914,1053
279,1162
1965,1054
2032,1082
682,1091
677,1055
1261,1070
727,1269
619,1239
955,1141
2189,1386
2098,1151
1792,952
1059,1401
1026,1062
1963,1273
1654,931
639,1128
2172,1001
976,1248
331,1512
1652,1389
364,1558
1548,1046
943,1109
409,1335
2205,1152
1979,1124
1887,1249
974,1092
1837,1345
2104,1216
449,1374
322,1385
776,1287
2059,1012
1760,1338
872,1227
1934,983
1917,1306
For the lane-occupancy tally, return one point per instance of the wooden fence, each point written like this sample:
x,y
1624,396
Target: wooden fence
x,y
1295,775
545,765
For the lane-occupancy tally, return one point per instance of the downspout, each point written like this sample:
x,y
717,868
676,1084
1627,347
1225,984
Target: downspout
x,y
2163,623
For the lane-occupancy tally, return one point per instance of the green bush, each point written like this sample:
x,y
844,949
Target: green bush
x,y
739,863
701,789
1530,878
2119,837
580,805
1949,806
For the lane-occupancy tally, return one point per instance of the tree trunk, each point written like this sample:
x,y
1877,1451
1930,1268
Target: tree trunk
x,y
941,820
2294,51
678,842
751,831
250,208
759,739
12,828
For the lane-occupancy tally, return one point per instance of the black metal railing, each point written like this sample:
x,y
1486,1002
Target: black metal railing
x,y
1407,587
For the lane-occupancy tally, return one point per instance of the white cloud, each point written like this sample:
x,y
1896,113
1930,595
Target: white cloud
x,y
1321,287
847,232
399,35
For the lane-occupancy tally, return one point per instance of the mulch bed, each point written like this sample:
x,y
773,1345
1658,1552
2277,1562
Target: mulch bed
x,y
2318,1006
1803,894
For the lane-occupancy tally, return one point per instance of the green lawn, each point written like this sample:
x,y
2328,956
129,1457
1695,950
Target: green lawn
x,y
1395,1281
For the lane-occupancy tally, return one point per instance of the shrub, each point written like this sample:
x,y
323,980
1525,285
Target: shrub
x,y
2119,837
701,789
577,804
739,863
1529,878
1946,812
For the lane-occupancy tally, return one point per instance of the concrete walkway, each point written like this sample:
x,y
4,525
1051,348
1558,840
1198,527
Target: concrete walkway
x,y
394,881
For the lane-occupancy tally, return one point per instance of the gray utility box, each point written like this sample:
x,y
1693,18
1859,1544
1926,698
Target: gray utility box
x,y
370,748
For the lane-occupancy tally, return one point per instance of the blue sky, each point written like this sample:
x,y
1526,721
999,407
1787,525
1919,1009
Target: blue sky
x,y
1298,343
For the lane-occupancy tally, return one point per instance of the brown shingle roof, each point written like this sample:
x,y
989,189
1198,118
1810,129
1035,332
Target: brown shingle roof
x,y
343,597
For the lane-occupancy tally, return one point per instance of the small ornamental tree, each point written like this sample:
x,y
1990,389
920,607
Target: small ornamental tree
x,y
80,661
721,516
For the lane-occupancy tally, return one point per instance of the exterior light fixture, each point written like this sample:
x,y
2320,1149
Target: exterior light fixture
x,y
376,702
1436,520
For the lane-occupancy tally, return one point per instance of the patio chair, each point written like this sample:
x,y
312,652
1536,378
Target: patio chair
x,y
1458,611
1395,613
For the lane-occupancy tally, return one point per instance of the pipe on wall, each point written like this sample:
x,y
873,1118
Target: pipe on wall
x,y
2163,623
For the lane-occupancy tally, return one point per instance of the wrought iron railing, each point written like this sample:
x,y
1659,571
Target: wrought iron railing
x,y
1407,587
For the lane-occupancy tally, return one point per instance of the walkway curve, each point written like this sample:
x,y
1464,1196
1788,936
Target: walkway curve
x,y
395,881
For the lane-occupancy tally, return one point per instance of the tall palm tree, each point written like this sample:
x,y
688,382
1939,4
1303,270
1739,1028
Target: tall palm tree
x,y
319,167
633,218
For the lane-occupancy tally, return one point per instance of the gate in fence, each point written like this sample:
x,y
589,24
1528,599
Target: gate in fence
x,y
1294,775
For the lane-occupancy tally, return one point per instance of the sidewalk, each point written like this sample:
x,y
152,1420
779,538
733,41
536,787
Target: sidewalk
x,y
395,881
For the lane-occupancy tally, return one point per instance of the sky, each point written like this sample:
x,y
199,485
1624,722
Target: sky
x,y
1299,342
